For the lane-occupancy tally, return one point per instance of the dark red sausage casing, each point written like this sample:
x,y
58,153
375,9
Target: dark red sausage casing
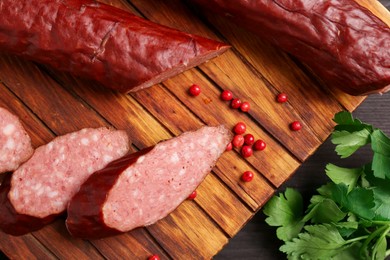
x,y
142,188
40,189
341,42
100,42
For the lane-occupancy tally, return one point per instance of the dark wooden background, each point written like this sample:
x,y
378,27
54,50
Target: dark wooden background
x,y
257,240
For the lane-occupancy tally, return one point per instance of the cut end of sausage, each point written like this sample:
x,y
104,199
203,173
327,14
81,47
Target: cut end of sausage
x,y
15,143
140,189
46,182
179,68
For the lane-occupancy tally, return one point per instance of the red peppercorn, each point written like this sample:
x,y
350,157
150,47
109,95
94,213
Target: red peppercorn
x,y
239,128
259,145
227,95
195,90
282,97
249,139
192,195
236,103
245,107
238,141
229,147
154,257
295,126
247,176
246,151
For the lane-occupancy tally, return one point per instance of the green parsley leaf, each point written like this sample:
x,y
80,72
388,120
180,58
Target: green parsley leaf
x,y
348,143
359,201
318,242
346,122
380,144
382,203
349,134
324,210
351,212
343,175
285,211
347,228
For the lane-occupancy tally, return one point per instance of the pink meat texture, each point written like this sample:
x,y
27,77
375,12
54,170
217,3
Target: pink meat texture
x,y
42,186
142,188
15,143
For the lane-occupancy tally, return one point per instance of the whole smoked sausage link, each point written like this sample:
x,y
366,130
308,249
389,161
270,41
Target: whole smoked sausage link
x,y
343,43
100,42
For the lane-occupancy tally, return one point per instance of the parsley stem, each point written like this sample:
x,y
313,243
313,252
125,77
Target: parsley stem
x,y
381,223
383,236
349,241
372,236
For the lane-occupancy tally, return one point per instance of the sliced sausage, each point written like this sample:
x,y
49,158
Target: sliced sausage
x,y
15,143
141,188
41,188
100,42
342,42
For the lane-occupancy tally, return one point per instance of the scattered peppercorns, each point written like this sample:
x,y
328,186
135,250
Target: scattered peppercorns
x,y
229,147
247,176
154,257
238,141
194,90
246,151
226,95
295,126
192,195
239,128
249,139
259,145
282,97
236,103
245,106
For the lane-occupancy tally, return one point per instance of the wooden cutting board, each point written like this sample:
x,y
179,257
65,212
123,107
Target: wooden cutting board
x,y
50,103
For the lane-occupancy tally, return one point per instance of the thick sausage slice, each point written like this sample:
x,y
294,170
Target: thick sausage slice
x,y
341,41
41,188
15,143
100,42
141,188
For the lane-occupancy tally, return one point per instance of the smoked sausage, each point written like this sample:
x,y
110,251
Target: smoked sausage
x,y
144,187
40,189
89,39
343,43
15,143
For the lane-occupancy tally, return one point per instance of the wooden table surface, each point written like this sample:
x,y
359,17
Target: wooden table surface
x,y
257,240
52,103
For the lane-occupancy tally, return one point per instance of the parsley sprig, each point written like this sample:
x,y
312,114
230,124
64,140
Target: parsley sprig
x,y
349,217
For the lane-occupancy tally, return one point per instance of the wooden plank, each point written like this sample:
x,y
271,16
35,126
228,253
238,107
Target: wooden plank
x,y
215,199
184,236
211,109
52,103
24,247
231,72
137,244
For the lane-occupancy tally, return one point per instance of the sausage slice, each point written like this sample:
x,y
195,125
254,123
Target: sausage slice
x,y
100,42
15,143
144,187
41,188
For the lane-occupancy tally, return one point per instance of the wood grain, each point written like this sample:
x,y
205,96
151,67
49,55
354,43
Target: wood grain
x,y
50,103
